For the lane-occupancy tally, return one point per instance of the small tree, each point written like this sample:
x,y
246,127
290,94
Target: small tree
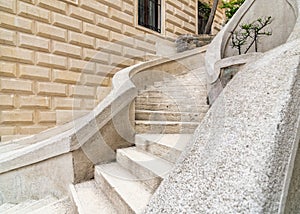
x,y
238,39
211,17
252,32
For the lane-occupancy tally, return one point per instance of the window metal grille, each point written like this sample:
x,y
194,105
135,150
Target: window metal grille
x,y
149,14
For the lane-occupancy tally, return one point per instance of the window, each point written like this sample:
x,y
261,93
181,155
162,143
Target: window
x,y
149,14
203,15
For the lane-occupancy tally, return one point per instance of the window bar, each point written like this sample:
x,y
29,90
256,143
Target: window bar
x,y
150,14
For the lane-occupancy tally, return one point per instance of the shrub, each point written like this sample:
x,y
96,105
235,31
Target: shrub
x,y
250,34
231,7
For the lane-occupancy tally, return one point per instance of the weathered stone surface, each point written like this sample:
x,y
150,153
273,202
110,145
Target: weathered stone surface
x,y
189,41
37,181
238,161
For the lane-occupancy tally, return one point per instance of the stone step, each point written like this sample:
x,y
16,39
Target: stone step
x,y
165,127
189,106
174,95
186,84
148,168
89,198
6,206
168,116
59,206
201,84
125,190
193,77
175,91
36,205
165,146
177,87
171,107
19,206
187,74
165,99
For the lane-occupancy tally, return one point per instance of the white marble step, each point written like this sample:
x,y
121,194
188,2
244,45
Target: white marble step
x,y
168,116
200,71
125,190
63,206
165,127
148,168
187,83
166,146
177,107
6,206
194,79
177,87
169,99
19,206
173,95
36,205
174,92
88,198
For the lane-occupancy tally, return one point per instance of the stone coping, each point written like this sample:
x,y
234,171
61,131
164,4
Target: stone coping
x,y
63,139
236,60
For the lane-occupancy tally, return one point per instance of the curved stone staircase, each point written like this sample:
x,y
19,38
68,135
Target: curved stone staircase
x,y
166,114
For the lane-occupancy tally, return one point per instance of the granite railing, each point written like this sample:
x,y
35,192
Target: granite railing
x,y
244,156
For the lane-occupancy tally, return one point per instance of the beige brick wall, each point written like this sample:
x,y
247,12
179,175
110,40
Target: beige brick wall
x,y
181,17
57,56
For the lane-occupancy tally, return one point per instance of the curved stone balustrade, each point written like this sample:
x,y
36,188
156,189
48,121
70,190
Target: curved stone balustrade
x,y
91,139
283,28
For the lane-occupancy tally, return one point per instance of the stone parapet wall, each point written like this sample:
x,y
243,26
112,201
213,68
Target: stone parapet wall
x,y
57,57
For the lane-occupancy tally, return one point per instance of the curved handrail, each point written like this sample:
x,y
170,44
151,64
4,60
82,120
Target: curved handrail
x,y
64,139
216,49
296,32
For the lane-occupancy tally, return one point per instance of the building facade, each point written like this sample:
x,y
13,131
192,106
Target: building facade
x,y
57,57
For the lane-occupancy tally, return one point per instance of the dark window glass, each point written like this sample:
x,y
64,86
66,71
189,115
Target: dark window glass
x,y
149,14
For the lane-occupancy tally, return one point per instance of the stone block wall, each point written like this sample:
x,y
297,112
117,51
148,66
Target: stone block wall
x,y
57,57
181,17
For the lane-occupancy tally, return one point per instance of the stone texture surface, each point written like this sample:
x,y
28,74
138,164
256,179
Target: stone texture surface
x,y
48,205
238,161
292,205
50,177
189,42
